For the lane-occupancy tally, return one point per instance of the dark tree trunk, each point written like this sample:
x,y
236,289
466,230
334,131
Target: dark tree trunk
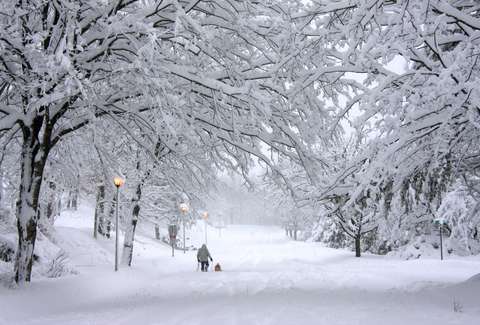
x,y
59,204
131,226
128,243
69,200
111,216
357,246
1,194
99,211
157,232
75,194
33,157
358,236
74,204
50,212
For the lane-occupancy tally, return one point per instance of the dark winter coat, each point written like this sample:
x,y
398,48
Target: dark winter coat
x,y
203,254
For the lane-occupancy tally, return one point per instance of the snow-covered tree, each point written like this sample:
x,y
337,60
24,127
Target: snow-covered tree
x,y
221,68
404,75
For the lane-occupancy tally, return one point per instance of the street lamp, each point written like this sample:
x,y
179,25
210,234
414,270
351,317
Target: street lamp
x,y
184,210
118,181
205,218
440,222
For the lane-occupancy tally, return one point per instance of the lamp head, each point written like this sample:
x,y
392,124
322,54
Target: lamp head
x,y
205,215
183,207
118,181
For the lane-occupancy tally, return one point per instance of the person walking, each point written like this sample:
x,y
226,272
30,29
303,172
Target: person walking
x,y
203,255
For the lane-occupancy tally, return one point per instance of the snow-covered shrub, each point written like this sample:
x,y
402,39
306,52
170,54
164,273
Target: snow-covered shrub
x,y
7,249
5,217
46,252
459,210
49,259
328,232
457,306
370,243
58,266
6,275
420,246
410,232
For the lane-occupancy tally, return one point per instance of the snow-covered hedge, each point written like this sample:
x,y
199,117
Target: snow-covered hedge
x,y
49,259
413,233
7,249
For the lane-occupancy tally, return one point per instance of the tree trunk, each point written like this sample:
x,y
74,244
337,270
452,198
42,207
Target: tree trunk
x,y
111,216
99,211
3,212
50,213
75,194
27,231
59,204
74,204
157,232
357,246
130,231
295,229
33,157
128,242
1,192
69,200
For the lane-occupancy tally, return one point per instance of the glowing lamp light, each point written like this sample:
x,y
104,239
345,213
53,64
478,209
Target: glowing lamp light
x,y
183,207
205,215
118,181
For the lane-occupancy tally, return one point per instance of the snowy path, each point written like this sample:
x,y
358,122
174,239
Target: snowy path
x,y
268,279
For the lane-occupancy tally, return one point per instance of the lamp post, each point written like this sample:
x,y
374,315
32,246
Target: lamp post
x,y
172,232
440,222
118,181
205,218
184,209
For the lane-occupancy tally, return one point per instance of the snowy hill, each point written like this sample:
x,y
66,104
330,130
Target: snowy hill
x,y
267,279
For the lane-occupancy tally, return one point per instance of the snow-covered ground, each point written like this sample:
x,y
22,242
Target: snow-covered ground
x,y
267,279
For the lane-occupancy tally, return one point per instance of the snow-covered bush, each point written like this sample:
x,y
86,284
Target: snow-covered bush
x,y
414,234
49,259
408,229
328,232
421,246
59,266
459,210
7,249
